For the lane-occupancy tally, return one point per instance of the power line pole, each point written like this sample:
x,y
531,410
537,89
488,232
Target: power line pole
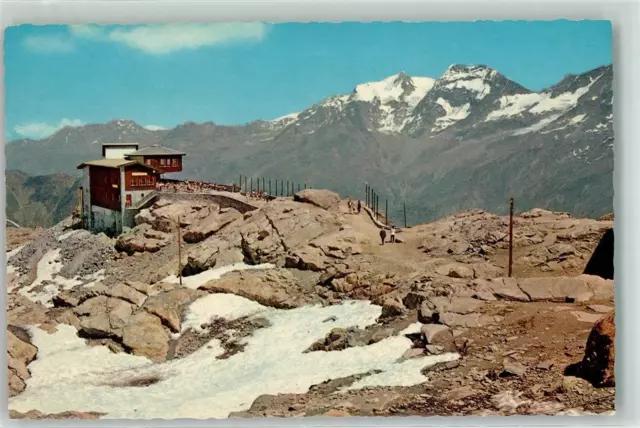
x,y
386,212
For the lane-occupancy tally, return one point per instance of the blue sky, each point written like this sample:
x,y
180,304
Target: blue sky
x,y
162,75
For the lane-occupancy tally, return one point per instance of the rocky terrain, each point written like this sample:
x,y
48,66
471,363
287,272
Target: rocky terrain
x,y
439,144
296,309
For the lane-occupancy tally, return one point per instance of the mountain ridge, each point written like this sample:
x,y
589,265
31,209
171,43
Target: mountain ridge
x,y
471,122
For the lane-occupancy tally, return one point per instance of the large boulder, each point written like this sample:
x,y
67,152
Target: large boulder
x,y
103,317
276,288
209,225
325,199
144,335
599,359
581,288
169,305
19,354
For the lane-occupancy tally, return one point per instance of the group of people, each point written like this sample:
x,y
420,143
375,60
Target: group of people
x,y
354,207
189,186
392,232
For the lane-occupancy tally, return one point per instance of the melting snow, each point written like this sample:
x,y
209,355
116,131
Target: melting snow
x,y
68,234
201,386
537,126
47,270
452,114
195,281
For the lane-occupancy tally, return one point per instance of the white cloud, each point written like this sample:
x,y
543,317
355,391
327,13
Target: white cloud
x,y
42,129
49,44
158,39
154,127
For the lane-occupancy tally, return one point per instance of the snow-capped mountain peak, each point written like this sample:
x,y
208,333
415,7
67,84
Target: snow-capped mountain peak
x,y
396,88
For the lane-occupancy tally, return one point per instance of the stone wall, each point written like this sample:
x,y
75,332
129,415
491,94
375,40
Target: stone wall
x,y
221,200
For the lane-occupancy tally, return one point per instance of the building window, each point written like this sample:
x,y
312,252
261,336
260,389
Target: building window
x,y
162,161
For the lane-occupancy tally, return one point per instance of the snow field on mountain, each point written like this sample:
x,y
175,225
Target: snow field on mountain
x,y
69,375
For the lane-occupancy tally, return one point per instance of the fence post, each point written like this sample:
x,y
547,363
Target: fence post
x,y
245,185
240,183
366,198
269,187
299,187
510,236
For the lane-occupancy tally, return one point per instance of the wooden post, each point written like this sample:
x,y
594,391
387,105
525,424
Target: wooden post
x,y
299,187
269,187
179,253
287,187
245,184
510,236
281,187
366,197
251,185
405,214
240,183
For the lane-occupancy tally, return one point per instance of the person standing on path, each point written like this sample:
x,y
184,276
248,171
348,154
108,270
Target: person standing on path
x,y
359,206
393,234
383,235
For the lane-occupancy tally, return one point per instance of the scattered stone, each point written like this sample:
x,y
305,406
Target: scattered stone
x,y
513,369
455,270
392,307
601,309
586,317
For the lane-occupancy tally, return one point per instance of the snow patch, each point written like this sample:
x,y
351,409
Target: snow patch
x,y
195,281
226,306
452,115
513,105
411,329
476,85
201,386
537,126
14,252
67,235
47,270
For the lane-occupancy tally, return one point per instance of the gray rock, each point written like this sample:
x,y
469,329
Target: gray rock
x,y
513,369
430,332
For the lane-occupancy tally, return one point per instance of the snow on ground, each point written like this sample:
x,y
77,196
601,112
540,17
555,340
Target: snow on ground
x,y
48,269
219,305
14,252
67,235
452,114
201,386
411,329
390,90
195,281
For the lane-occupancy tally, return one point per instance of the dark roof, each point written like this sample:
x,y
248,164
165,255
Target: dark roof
x,y
155,151
120,143
114,163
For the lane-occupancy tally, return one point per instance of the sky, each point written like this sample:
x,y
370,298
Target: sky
x,y
161,75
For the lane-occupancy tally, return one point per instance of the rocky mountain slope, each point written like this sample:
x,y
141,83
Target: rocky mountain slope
x,y
41,200
296,309
471,138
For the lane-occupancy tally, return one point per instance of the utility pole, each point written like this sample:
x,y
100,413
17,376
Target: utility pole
x,y
179,253
240,183
245,185
366,190
510,236
269,187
